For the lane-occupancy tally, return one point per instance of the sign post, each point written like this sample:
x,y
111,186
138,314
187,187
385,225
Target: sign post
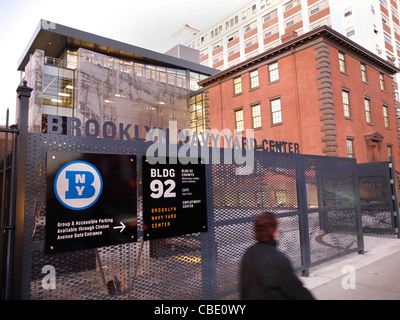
x,y
174,199
91,201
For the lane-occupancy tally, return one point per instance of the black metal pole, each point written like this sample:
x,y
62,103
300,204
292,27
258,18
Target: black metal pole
x,y
357,200
2,215
303,216
395,199
24,93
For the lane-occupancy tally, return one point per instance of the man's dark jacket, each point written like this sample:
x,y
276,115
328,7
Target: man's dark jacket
x,y
267,274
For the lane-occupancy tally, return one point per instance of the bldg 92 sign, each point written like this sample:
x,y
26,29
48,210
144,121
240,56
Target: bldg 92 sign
x,y
161,189
174,199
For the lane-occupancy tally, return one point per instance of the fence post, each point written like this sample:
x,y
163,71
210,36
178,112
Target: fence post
x,y
357,198
208,246
3,234
24,93
395,199
303,216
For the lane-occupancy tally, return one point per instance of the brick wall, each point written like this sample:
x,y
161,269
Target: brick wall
x,y
310,88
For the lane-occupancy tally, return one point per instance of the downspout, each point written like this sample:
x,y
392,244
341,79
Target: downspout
x,y
297,100
220,101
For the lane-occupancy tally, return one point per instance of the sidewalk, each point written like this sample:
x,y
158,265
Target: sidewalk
x,y
377,273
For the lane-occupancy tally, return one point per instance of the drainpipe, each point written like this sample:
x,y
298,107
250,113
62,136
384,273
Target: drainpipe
x,y
24,93
297,103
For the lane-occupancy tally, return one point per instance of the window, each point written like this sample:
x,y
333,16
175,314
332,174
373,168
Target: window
x,y
280,196
276,111
387,38
350,31
239,120
233,36
293,20
323,22
217,45
314,10
291,4
385,20
253,40
364,72
254,79
395,13
273,72
256,115
271,31
197,113
342,62
390,151
390,57
250,27
348,12
234,50
367,105
318,7
237,82
58,84
386,116
382,81
346,103
270,15
350,148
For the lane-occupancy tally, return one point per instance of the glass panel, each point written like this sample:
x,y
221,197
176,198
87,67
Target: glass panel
x,y
58,87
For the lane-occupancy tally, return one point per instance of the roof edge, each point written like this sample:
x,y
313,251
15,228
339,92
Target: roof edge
x,y
321,31
61,30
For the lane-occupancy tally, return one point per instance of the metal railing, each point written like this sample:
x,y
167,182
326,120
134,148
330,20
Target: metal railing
x,y
7,203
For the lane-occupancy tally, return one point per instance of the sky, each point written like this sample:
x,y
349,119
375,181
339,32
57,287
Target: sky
x,y
144,23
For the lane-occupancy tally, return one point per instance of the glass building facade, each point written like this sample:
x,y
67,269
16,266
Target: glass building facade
x,y
91,82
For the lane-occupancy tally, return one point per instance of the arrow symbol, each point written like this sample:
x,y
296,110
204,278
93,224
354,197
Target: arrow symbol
x,y
122,227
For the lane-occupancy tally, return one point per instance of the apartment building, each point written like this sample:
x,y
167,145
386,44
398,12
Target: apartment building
x,y
319,93
260,25
89,77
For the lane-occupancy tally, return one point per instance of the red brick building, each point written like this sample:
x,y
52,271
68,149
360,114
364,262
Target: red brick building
x,y
319,91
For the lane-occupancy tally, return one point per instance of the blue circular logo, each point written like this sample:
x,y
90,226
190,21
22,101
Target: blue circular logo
x,y
78,185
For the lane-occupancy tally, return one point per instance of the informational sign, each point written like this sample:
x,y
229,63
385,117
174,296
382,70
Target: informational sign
x,y
174,199
91,201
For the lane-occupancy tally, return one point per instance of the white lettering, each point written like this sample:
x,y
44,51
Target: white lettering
x,y
171,310
349,281
221,309
80,190
49,281
80,178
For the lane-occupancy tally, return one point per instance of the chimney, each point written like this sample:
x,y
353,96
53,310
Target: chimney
x,y
288,36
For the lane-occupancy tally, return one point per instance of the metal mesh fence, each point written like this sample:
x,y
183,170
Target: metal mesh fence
x,y
316,204
376,198
7,200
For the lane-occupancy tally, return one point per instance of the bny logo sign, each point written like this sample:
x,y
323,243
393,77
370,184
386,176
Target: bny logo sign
x,y
78,185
